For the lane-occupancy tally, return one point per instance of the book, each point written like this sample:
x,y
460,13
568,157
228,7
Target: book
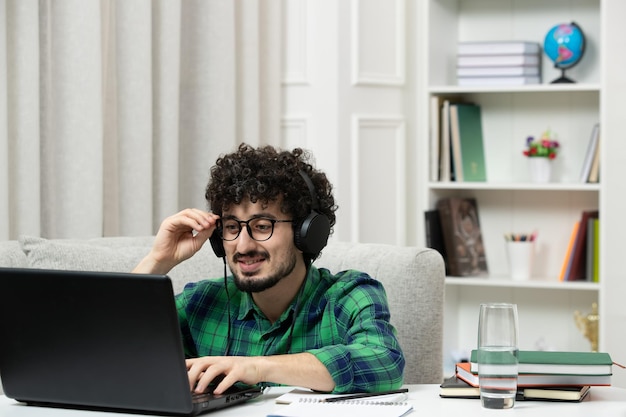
x,y
596,250
590,153
464,372
594,173
498,48
434,234
513,60
577,270
436,103
496,71
446,160
455,387
462,236
591,259
304,403
467,142
455,144
568,252
444,146
558,362
574,394
485,81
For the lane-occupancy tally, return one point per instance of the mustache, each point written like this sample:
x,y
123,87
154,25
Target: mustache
x,y
252,254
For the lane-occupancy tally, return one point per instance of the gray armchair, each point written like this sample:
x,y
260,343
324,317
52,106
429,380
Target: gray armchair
x,y
414,282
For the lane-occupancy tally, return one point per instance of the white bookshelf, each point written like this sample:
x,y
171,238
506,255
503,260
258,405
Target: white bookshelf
x,y
508,201
504,281
519,186
539,88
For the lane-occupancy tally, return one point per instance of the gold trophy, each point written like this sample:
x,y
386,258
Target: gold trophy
x,y
588,325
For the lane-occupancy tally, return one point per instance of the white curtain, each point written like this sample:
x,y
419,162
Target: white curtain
x,y
113,111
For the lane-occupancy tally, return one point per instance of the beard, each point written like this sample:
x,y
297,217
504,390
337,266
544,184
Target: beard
x,y
246,283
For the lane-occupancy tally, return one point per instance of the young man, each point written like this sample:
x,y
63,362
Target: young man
x,y
277,319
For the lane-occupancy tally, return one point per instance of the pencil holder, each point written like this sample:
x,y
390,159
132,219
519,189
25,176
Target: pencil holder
x,y
520,255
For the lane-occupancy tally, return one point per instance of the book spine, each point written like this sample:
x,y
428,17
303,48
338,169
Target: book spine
x,y
498,48
594,173
590,252
596,250
497,71
590,153
499,60
444,148
568,253
434,234
477,81
455,143
435,136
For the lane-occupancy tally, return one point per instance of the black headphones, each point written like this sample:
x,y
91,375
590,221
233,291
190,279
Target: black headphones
x,y
310,234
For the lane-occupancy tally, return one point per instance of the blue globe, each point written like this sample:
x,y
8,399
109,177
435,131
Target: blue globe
x,y
564,44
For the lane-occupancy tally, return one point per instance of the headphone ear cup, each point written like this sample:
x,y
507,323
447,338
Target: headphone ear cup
x,y
311,234
217,244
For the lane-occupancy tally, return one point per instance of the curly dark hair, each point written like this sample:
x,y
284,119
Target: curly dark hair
x,y
267,174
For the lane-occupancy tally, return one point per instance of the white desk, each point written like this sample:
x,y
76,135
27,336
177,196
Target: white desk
x,y
602,401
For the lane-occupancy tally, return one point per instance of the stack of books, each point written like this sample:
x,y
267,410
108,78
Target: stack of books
x,y
498,63
457,144
550,376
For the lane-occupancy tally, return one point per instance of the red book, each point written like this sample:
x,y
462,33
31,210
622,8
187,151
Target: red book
x,y
579,255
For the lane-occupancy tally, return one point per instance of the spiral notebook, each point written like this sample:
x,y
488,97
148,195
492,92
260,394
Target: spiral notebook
x,y
302,403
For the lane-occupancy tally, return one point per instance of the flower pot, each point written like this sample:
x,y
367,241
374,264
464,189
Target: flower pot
x,y
540,169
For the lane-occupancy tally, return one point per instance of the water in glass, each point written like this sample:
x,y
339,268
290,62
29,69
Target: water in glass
x,y
497,367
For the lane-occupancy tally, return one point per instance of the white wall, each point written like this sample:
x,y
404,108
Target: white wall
x,y
346,97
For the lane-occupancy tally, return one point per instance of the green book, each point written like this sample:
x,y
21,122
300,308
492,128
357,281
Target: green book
x,y
596,250
467,142
561,363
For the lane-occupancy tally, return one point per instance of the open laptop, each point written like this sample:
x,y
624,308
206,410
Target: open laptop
x,y
95,340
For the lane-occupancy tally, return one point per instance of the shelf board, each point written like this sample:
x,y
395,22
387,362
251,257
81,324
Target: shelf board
x,y
507,282
521,186
536,88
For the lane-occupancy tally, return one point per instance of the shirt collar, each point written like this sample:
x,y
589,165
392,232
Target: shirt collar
x,y
247,307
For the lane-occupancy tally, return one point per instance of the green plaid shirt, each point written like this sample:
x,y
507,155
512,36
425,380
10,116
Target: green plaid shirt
x,y
343,320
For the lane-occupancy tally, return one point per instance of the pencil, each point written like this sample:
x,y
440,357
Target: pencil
x,y
365,395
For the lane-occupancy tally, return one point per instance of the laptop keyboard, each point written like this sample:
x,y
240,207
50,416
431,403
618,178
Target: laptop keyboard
x,y
232,394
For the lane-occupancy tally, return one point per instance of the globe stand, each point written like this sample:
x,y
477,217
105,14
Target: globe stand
x,y
563,79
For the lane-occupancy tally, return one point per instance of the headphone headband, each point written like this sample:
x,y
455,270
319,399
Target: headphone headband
x,y
315,204
310,234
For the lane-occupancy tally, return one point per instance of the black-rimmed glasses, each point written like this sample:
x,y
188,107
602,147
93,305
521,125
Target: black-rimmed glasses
x,y
258,228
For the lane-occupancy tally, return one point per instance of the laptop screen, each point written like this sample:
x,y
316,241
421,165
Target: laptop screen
x,y
92,339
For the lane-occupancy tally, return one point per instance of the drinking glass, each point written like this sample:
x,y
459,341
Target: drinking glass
x,y
497,354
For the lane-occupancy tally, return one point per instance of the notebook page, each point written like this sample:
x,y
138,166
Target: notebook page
x,y
356,408
302,394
